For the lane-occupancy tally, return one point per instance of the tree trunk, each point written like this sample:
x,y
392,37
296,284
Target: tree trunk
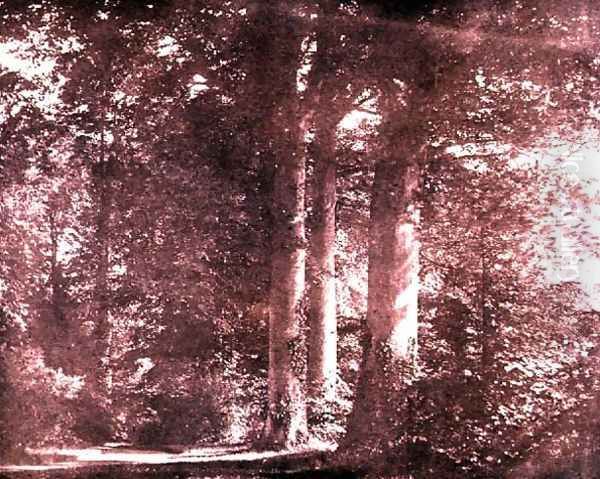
x,y
57,333
322,338
376,427
280,55
286,423
322,345
102,326
102,176
5,389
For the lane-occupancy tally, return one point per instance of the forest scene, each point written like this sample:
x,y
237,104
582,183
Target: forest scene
x,y
300,238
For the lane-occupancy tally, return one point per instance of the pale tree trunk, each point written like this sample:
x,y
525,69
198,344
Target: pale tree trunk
x,y
280,52
322,344
377,425
322,337
286,422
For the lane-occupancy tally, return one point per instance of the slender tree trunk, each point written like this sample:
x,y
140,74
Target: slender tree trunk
x,y
486,332
57,339
376,427
102,326
322,345
322,339
102,174
5,389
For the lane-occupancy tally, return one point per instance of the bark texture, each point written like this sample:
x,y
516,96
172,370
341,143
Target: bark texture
x,y
322,338
377,425
322,357
280,50
286,424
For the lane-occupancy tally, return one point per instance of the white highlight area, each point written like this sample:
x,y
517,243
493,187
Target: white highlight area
x,y
78,458
32,59
167,46
308,48
367,114
574,163
358,124
355,118
197,85
14,58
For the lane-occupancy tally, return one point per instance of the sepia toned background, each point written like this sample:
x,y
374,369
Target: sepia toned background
x,y
360,234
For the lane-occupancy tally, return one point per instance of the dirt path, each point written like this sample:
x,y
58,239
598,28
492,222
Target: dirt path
x,y
130,463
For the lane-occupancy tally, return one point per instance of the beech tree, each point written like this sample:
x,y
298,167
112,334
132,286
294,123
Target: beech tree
x,y
279,55
391,347
321,96
377,424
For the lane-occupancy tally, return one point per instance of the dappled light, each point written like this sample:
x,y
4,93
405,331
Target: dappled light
x,y
311,238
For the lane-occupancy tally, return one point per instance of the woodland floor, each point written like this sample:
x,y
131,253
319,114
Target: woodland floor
x,y
232,462
240,462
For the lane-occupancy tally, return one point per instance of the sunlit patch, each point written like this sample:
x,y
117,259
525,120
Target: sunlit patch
x,y
144,365
167,46
32,59
573,163
70,44
69,244
406,297
402,339
355,118
197,85
475,149
16,56
365,116
75,458
118,270
308,48
432,283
